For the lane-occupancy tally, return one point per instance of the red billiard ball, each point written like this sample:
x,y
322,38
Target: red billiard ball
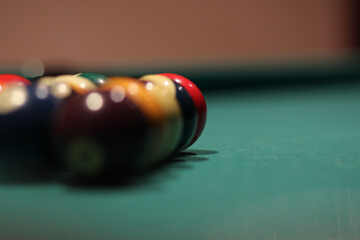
x,y
9,79
198,99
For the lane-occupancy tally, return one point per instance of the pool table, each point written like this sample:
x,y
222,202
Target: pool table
x,y
272,163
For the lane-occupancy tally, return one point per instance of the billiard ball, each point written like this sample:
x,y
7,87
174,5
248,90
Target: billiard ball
x,y
189,114
136,91
78,84
59,90
101,134
163,90
199,102
9,79
25,123
96,78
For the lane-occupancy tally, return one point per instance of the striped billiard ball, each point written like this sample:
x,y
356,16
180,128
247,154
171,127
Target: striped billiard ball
x,y
78,84
189,114
198,99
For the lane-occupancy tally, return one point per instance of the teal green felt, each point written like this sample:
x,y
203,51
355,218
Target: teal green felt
x,y
269,165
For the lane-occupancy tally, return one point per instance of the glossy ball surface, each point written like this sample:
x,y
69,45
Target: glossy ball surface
x,y
96,78
164,91
101,134
189,114
198,98
79,85
25,122
152,110
9,79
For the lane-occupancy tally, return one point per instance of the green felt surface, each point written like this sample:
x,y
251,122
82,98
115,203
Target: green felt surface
x,y
270,165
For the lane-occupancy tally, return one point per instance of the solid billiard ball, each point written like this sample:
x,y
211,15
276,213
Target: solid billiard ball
x,y
10,79
198,98
100,134
25,122
164,91
136,91
96,78
21,105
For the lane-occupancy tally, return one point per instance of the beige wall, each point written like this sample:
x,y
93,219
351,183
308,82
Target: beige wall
x,y
90,32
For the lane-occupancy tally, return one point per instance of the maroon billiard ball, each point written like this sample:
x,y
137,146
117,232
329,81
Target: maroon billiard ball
x,y
101,133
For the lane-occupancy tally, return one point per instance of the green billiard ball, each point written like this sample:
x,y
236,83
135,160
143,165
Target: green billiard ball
x,y
97,78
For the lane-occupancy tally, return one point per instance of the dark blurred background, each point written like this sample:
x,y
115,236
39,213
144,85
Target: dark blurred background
x,y
97,35
89,33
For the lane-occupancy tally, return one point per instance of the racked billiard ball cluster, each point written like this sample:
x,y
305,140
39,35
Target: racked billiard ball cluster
x,y
95,126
